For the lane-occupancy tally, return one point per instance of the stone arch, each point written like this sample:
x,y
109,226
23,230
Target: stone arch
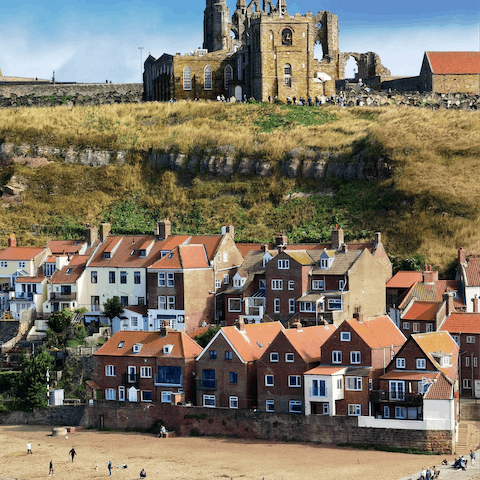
x,y
187,78
318,46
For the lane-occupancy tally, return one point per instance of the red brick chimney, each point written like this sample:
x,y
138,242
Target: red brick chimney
x,y
461,256
429,277
241,323
281,241
337,237
358,315
12,240
448,299
475,304
165,228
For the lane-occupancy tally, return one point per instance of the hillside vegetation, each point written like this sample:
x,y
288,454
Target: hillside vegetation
x,y
427,208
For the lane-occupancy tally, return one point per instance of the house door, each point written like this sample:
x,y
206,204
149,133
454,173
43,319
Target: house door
x,y
238,93
477,388
132,394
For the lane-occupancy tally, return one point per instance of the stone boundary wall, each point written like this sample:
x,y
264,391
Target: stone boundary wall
x,y
47,94
200,421
58,415
470,411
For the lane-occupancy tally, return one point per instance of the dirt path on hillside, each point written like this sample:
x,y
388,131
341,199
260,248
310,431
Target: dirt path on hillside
x,y
192,458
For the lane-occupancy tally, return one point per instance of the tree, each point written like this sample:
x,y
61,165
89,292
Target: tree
x,y
112,307
204,338
31,385
60,321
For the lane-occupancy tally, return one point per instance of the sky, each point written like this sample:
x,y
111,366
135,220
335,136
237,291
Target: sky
x,y
93,41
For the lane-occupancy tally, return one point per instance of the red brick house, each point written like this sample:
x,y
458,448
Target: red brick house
x,y
468,273
421,317
280,369
147,367
399,285
226,370
353,358
465,330
424,369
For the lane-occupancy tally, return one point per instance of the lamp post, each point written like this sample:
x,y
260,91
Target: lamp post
x,y
141,61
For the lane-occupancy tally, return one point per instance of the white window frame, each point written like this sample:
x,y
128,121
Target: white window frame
x,y
429,327
269,380
294,381
170,303
110,371
146,372
289,357
345,336
218,283
276,305
386,411
233,402
209,401
400,362
162,302
121,394
421,363
283,264
318,285
21,264
456,338
326,409
269,405
166,397
396,393
353,383
262,284
3,264
354,409
291,285
336,356
406,325
277,284
467,361
333,304
274,357
400,412
142,396
225,257
187,78
467,383
470,339
416,327
110,394
355,357
162,279
170,279
231,307
341,284
295,403
291,305
226,278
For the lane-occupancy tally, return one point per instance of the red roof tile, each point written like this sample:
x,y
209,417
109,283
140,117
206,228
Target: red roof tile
x,y
412,376
422,311
462,323
307,341
58,247
454,62
378,332
75,267
472,271
183,256
38,279
442,389
434,292
404,279
211,243
20,253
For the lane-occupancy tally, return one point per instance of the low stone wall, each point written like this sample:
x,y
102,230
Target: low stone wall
x,y
48,94
470,411
59,415
199,421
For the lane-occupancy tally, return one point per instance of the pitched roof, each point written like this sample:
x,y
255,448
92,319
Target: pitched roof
x,y
472,272
378,331
443,63
442,389
152,345
462,323
308,341
36,279
321,370
76,268
421,311
252,341
20,253
211,243
182,257
300,256
140,309
342,263
433,292
58,247
404,279
409,376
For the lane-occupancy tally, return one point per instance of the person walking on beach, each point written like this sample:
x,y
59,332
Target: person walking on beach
x,y
110,468
72,453
472,458
29,448
50,469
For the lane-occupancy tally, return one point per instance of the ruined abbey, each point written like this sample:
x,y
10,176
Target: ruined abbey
x,y
261,52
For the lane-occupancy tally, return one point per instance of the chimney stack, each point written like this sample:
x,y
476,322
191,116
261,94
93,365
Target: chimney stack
x,y
448,299
165,228
357,315
297,325
377,239
337,237
265,247
12,240
91,234
229,228
475,304
429,277
281,241
105,228
461,256
241,323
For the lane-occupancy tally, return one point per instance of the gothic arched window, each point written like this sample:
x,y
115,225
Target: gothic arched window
x,y
207,77
227,76
287,37
187,78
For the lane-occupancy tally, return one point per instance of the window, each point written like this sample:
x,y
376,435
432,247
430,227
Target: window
x,y
209,401
319,388
340,383
162,303
400,362
146,396
146,372
169,375
141,300
111,277
3,264
353,383
110,394
276,305
21,264
170,280
233,402
334,303
406,325
294,381
354,410
386,411
269,406
423,387
123,277
93,277
467,383
446,361
134,322
456,338
106,255
291,285
269,380
219,257
218,283
318,284
421,363
228,354
274,357
69,271
226,279
355,357
289,357
475,361
336,356
324,263
227,76
277,284
467,361
370,384
166,397
212,354
234,305
341,284
110,370
161,279
307,307
326,409
124,301
295,406
291,305
416,327
283,264
262,284
397,390
207,77
187,78
287,75
470,339
121,394
233,377
429,327
345,336
400,412
136,278
225,257
170,303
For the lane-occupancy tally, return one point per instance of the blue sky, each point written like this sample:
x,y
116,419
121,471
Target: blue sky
x,y
92,41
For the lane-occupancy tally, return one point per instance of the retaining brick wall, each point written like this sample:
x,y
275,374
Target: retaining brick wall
x,y
470,411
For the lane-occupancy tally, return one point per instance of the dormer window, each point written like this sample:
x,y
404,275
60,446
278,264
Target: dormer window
x,y
446,361
238,281
69,271
170,255
106,255
266,258
137,347
167,349
142,253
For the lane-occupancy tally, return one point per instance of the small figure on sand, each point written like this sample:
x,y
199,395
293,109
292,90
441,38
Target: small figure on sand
x,y
29,448
50,469
72,453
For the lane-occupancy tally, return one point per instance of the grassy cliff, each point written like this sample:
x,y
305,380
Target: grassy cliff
x,y
427,208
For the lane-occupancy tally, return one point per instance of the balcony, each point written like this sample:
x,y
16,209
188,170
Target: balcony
x,y
66,297
23,296
130,379
412,399
168,382
205,384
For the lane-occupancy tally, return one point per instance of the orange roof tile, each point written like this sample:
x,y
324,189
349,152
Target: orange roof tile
x,y
378,332
140,309
307,341
472,271
38,279
58,247
211,243
412,376
76,268
442,389
422,311
152,345
443,63
404,279
20,253
462,323
434,292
